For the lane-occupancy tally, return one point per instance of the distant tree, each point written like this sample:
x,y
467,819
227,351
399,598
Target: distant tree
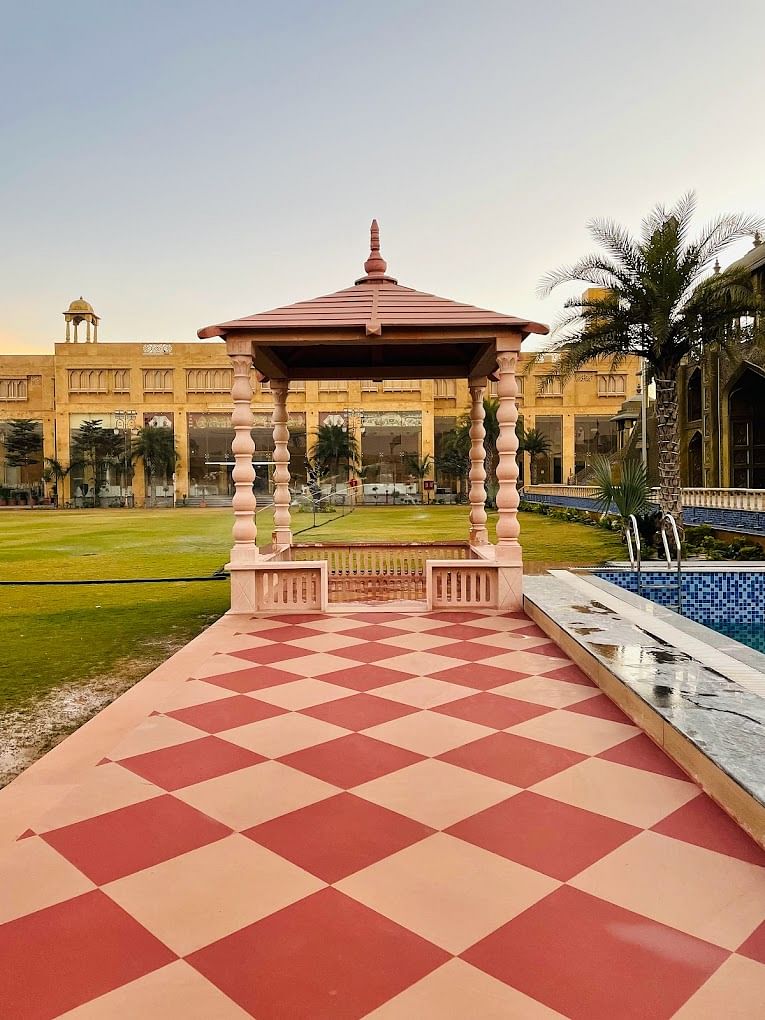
x,y
56,471
333,447
154,446
659,296
23,443
536,444
95,447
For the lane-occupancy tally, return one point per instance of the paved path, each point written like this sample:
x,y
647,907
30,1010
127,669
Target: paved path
x,y
389,815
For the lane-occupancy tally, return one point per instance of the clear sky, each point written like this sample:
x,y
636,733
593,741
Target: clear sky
x,y
185,163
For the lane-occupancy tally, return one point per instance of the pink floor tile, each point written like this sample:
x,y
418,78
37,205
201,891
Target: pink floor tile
x,y
266,655
592,960
492,710
556,839
121,842
459,631
703,823
351,760
214,716
512,759
468,651
375,632
359,711
192,762
326,957
65,955
338,836
371,651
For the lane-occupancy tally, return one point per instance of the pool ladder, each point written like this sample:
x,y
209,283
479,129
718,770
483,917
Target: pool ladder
x,y
668,529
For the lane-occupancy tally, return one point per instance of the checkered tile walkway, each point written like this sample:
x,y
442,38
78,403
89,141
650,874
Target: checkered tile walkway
x,y
388,815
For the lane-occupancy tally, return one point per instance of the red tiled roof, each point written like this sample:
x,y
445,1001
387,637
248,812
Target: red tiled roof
x,y
376,301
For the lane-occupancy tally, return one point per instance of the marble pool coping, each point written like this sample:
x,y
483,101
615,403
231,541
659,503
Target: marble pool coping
x,y
699,695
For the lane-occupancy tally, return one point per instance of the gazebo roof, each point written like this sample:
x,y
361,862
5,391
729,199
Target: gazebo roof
x,y
377,311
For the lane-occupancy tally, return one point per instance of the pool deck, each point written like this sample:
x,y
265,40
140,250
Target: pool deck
x,y
384,814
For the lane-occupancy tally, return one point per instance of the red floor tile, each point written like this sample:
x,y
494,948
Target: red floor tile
x,y
550,649
185,764
378,618
571,674
482,677
703,823
349,761
464,617
371,651
754,947
290,619
459,631
640,752
255,679
512,759
601,707
375,632
225,714
58,958
468,651
359,711
592,960
289,632
492,710
326,957
554,838
531,631
121,842
265,655
338,836
364,677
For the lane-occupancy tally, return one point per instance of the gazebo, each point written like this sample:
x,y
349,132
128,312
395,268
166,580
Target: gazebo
x,y
375,329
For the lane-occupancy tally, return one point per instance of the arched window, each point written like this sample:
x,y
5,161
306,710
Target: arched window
x,y
694,395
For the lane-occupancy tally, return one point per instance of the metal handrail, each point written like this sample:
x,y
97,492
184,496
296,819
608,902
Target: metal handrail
x,y
634,548
669,524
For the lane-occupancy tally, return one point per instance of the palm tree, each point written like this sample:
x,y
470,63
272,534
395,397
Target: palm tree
x,y
155,446
419,468
333,445
56,471
630,495
653,296
536,444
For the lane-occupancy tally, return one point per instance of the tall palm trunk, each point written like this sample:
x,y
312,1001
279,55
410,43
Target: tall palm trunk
x,y
670,495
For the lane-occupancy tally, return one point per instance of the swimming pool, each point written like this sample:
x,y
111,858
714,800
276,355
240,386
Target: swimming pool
x,y
729,601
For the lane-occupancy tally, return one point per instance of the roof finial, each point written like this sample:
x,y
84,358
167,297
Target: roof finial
x,y
716,267
757,239
375,265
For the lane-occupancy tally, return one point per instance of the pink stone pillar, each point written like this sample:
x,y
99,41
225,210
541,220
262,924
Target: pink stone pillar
x,y
282,533
245,532
508,528
478,533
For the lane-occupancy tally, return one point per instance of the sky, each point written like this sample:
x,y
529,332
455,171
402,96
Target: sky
x,y
181,164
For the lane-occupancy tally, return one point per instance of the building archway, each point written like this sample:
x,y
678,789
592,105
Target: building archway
x,y
696,461
746,399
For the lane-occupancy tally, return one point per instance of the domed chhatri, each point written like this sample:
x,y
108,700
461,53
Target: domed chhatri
x,y
79,311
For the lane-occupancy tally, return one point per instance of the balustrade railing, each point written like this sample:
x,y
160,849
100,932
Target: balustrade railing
x,y
725,499
462,586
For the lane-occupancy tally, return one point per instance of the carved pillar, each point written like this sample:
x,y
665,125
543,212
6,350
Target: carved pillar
x,y
478,532
508,528
87,331
282,534
245,532
68,329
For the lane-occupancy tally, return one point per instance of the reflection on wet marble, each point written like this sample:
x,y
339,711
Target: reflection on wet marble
x,y
724,719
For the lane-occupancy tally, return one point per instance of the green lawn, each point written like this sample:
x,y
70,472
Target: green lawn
x,y
55,635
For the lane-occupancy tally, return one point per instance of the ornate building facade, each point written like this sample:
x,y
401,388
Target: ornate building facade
x,y
722,402
186,387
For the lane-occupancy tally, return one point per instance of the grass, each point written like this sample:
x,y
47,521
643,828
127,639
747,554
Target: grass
x,y
58,635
